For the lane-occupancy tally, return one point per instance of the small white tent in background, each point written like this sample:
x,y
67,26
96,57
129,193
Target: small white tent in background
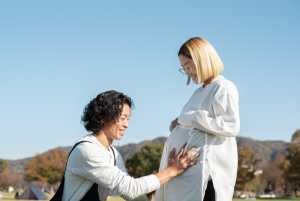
x,y
10,189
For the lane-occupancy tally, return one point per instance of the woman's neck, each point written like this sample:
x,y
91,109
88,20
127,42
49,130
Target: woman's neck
x,y
206,82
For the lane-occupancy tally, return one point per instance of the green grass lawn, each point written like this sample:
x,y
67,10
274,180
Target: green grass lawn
x,y
274,199
11,196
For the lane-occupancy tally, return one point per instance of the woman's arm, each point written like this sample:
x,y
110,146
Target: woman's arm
x,y
226,120
185,118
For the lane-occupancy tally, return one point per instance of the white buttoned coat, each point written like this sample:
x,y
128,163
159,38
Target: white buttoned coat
x,y
210,121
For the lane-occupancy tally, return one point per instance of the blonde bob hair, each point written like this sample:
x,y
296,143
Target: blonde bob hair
x,y
205,57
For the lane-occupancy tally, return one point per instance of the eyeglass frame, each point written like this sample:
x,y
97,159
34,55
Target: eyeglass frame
x,y
184,71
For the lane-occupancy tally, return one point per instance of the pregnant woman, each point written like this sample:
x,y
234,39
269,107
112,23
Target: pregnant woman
x,y
210,121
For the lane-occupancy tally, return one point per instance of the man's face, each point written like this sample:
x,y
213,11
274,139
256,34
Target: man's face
x,y
115,131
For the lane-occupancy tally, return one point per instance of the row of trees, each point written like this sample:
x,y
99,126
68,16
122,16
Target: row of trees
x,y
4,174
6,177
46,169
291,166
282,174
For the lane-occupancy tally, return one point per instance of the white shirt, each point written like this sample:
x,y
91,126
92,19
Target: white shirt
x,y
91,163
210,121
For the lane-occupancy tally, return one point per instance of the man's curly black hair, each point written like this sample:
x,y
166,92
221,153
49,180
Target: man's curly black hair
x,y
106,107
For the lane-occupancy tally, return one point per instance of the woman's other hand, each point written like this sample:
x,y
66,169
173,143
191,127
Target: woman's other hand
x,y
181,162
174,124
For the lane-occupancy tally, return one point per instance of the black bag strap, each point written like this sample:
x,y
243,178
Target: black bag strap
x,y
59,193
89,142
114,155
97,192
73,149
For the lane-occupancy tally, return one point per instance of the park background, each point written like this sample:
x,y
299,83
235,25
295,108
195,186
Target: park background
x,y
56,56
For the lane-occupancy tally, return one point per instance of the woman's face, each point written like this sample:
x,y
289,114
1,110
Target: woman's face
x,y
189,66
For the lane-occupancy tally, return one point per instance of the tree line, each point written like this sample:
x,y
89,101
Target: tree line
x,y
281,176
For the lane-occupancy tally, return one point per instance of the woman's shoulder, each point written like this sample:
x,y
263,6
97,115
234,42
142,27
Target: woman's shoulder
x,y
224,86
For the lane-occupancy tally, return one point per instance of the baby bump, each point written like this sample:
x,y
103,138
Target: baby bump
x,y
180,136
176,140
189,182
182,186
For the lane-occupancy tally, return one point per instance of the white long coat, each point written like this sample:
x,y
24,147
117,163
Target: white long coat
x,y
210,121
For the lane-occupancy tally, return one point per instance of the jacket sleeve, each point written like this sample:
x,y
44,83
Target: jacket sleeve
x,y
93,165
226,120
185,118
120,164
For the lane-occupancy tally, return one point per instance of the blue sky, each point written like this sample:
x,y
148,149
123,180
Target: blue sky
x,y
55,56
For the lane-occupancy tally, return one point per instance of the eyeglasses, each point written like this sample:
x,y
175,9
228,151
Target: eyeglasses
x,y
186,70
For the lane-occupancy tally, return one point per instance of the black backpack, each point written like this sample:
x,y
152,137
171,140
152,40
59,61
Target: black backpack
x,y
96,192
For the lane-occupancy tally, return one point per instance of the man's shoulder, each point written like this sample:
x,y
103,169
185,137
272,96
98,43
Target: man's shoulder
x,y
88,137
87,148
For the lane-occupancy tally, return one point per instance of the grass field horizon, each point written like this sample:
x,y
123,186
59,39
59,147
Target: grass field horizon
x,y
11,196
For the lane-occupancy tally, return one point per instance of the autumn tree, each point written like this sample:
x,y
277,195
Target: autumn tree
x,y
146,161
291,167
4,173
46,168
3,165
246,166
273,175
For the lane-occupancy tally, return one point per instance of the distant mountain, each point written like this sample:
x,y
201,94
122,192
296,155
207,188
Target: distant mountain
x,y
18,166
265,150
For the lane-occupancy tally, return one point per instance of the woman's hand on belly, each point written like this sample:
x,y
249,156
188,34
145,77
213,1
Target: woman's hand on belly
x,y
174,124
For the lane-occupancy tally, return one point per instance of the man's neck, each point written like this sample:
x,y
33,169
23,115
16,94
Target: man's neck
x,y
102,138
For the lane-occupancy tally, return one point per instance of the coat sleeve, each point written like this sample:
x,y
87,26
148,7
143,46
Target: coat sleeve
x,y
94,166
226,120
120,164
